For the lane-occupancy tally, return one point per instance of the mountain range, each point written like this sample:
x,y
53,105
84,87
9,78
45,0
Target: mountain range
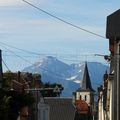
x,y
69,75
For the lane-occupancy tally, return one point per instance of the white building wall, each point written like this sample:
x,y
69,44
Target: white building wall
x,y
43,112
110,100
100,107
118,80
83,94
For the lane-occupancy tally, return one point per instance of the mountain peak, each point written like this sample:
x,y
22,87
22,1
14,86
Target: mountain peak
x,y
51,57
55,71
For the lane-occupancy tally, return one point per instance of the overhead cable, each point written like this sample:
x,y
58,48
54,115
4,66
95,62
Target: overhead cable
x,y
20,49
50,72
64,21
42,54
17,55
6,65
56,75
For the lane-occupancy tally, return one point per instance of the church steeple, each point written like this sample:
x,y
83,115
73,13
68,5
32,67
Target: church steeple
x,y
86,92
86,82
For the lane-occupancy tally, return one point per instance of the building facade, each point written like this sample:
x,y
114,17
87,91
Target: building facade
x,y
113,34
86,92
111,101
56,108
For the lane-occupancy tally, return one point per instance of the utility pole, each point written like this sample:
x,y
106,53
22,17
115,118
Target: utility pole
x,y
1,72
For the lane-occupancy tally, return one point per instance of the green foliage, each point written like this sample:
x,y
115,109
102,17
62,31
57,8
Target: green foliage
x,y
53,85
37,79
11,102
7,78
52,92
5,103
29,77
27,99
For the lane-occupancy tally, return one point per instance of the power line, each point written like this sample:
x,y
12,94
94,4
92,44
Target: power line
x,y
42,54
61,56
56,75
8,55
73,25
17,55
21,49
50,72
64,58
6,65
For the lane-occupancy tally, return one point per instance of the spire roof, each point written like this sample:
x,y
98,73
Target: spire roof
x,y
86,82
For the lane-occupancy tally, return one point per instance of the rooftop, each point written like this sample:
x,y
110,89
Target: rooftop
x,y
113,25
60,108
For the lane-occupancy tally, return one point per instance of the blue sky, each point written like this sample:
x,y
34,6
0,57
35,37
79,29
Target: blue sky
x,y
27,28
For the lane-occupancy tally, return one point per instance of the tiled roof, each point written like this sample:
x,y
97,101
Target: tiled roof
x,y
81,90
60,108
82,106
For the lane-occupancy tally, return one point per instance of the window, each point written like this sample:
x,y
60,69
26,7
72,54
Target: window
x,y
80,97
85,97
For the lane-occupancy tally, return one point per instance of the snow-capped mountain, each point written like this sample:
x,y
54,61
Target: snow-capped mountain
x,y
70,76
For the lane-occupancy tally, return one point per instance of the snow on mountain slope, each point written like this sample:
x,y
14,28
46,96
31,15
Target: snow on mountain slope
x,y
70,76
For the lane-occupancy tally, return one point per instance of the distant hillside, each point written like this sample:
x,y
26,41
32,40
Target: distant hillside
x,y
70,76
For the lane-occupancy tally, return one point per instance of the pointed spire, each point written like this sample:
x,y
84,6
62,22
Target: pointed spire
x,y
86,83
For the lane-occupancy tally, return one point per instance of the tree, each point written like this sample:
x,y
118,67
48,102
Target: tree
x,y
12,102
32,79
54,91
7,79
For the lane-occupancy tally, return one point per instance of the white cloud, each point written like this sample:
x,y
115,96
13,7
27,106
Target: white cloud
x,y
42,27
9,2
